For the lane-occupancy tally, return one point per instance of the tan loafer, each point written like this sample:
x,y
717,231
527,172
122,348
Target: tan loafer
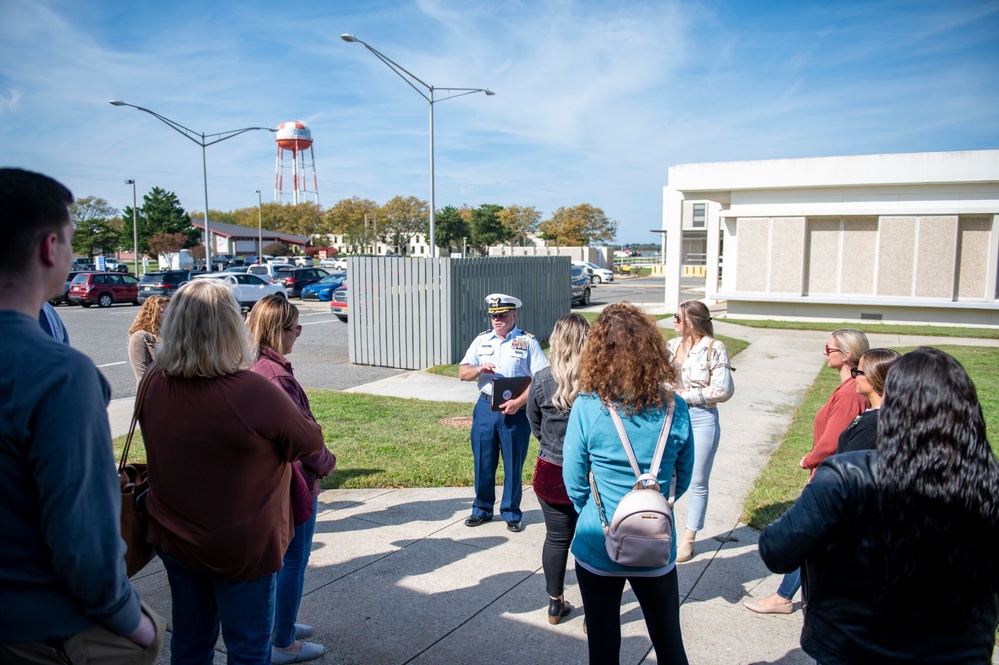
x,y
780,608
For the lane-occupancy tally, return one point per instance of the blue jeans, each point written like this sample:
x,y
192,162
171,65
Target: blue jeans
x,y
493,434
201,603
290,580
790,584
707,434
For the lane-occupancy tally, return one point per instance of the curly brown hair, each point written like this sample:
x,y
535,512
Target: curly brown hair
x,y
148,318
625,361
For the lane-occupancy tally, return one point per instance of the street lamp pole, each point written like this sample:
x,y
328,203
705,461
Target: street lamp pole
x,y
260,228
204,140
429,96
135,228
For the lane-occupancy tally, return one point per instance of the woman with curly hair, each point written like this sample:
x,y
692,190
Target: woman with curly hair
x,y
144,334
625,365
553,390
900,545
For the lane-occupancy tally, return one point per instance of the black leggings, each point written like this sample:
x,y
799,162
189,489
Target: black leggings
x,y
660,601
560,525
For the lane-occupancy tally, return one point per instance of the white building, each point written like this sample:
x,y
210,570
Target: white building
x,y
899,238
415,246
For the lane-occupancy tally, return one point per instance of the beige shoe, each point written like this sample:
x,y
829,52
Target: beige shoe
x,y
685,550
771,605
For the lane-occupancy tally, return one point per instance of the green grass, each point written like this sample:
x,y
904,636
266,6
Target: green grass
x,y
936,331
782,479
387,442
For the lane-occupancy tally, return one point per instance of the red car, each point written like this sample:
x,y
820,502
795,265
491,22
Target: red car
x,y
103,288
338,302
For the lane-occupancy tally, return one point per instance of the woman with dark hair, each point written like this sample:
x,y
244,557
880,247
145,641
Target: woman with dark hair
x,y
704,379
869,374
143,336
842,353
220,441
553,391
274,329
625,366
900,545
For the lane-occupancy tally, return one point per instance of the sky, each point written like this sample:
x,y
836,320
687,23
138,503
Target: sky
x,y
594,101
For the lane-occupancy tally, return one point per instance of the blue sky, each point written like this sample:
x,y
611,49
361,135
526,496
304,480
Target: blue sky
x,y
594,100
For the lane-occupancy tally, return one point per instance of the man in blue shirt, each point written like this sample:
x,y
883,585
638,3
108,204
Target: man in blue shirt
x,y
63,588
504,351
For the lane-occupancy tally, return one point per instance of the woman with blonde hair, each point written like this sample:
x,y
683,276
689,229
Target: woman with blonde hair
x,y
553,391
843,352
274,329
704,380
625,367
219,441
143,336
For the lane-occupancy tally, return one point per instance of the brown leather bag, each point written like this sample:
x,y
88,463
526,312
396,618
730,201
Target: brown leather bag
x,y
134,479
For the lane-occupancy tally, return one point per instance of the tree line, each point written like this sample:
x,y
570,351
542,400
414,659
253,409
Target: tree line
x,y
164,226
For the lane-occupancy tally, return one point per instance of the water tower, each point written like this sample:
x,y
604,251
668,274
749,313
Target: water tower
x,y
295,138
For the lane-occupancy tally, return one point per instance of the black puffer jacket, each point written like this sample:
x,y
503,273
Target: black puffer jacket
x,y
831,532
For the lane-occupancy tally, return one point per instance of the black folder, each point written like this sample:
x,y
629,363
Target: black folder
x,y
507,388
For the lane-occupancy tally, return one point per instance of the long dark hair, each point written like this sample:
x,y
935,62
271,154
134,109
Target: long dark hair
x,y
938,483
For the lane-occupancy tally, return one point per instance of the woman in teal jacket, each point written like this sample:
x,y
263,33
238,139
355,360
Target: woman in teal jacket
x,y
626,364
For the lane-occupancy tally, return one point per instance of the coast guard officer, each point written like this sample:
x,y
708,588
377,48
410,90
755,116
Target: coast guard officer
x,y
504,351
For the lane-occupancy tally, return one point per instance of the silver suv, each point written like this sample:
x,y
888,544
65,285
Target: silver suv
x,y
268,271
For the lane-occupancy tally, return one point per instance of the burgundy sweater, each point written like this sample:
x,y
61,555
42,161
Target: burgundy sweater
x,y
219,452
841,409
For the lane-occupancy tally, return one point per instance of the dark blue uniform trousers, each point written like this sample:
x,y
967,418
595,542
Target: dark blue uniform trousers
x,y
494,433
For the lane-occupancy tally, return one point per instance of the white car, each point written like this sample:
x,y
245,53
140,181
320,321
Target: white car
x,y
268,271
338,265
247,288
304,261
598,275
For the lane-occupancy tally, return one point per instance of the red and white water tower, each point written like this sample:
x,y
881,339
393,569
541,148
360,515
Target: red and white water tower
x,y
295,138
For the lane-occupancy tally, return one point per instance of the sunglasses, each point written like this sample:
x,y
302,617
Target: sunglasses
x,y
854,372
297,330
829,350
677,319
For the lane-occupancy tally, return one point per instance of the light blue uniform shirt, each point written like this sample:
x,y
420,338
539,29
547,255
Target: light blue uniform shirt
x,y
517,355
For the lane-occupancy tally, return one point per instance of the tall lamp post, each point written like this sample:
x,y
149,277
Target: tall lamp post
x,y
429,96
135,228
204,140
260,228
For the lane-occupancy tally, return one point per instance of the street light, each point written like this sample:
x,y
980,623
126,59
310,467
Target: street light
x,y
429,96
204,140
260,228
135,229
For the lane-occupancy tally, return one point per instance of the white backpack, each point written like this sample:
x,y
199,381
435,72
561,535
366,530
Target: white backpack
x,y
640,532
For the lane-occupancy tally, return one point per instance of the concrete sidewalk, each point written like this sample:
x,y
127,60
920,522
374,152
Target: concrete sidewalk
x,y
395,576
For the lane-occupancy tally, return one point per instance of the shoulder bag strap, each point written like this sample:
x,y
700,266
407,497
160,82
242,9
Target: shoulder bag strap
x,y
711,345
135,417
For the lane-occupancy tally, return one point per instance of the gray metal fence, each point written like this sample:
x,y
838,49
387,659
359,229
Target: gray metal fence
x,y
416,313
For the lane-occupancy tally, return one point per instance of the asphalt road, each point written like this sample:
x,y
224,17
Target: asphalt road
x,y
320,356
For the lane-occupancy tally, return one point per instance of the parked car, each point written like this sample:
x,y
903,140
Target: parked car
x,y
237,269
580,286
65,294
323,289
286,260
164,282
295,279
333,263
338,302
247,288
114,265
304,261
597,274
223,261
268,270
103,288
83,263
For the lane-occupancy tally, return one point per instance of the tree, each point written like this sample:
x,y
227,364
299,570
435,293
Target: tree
x,y
451,228
166,245
97,229
276,248
161,212
578,226
520,221
400,219
356,220
487,230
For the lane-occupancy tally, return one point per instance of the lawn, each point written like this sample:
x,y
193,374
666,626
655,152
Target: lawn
x,y
782,479
936,331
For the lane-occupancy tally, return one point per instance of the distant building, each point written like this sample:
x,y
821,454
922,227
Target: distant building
x,y
415,246
897,237
243,240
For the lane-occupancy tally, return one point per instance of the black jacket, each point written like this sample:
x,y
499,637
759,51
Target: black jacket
x,y
831,532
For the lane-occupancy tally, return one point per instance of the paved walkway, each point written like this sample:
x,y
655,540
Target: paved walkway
x,y
395,577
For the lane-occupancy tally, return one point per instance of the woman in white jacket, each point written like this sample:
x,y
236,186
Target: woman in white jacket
x,y
704,378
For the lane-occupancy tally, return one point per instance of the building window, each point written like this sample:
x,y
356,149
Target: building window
x,y
700,215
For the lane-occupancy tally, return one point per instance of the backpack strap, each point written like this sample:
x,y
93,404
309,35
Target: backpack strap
x,y
660,445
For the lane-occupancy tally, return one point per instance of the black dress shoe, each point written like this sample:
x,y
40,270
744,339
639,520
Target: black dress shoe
x,y
514,526
557,609
476,520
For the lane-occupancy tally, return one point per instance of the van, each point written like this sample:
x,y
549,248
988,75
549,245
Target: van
x,y
180,260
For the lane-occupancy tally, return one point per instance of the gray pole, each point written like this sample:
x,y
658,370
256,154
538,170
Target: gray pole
x,y
260,229
208,234
135,229
433,238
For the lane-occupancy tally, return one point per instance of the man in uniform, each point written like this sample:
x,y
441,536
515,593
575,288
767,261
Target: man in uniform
x,y
504,351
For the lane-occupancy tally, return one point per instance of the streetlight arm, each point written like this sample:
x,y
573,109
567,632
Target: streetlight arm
x,y
222,136
399,70
176,126
461,92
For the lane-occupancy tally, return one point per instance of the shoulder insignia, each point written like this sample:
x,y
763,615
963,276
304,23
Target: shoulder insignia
x,y
484,332
528,335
